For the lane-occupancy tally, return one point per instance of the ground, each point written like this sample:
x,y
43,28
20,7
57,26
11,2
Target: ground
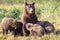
x,y
50,16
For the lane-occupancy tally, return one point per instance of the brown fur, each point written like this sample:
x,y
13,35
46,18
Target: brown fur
x,y
35,29
18,30
49,27
10,24
28,15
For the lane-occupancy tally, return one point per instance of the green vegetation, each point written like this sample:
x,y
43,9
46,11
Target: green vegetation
x,y
45,10
13,12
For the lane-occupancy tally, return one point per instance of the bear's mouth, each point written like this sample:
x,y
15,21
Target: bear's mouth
x,y
31,15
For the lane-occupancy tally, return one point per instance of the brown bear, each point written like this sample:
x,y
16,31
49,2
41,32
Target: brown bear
x,y
10,24
49,27
18,30
35,29
28,16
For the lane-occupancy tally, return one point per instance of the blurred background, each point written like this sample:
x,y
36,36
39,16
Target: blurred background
x,y
45,9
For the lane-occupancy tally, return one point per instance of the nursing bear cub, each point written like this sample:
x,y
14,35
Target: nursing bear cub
x,y
40,28
11,25
35,29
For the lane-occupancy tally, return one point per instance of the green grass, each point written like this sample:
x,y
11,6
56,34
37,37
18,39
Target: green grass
x,y
45,11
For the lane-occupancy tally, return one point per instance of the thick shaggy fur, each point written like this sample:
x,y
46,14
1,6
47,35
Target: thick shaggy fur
x,y
35,29
49,27
18,30
28,16
12,25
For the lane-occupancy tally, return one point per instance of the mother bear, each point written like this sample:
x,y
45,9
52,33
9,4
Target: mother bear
x,y
28,16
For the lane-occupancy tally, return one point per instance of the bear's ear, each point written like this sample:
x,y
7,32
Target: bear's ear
x,y
26,3
29,26
33,3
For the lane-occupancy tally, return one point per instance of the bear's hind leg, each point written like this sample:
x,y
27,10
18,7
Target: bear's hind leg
x,y
5,31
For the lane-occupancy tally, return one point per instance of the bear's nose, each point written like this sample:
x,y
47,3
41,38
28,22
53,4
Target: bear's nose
x,y
31,9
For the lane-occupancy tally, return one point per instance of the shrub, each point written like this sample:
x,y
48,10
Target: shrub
x,y
14,13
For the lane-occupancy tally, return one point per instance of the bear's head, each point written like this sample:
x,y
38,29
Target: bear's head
x,y
29,8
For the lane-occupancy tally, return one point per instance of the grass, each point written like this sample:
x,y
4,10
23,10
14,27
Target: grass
x,y
48,12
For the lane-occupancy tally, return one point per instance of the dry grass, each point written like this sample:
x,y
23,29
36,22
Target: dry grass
x,y
45,37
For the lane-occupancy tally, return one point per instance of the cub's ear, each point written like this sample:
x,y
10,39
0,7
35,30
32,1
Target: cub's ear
x,y
29,26
33,3
26,3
